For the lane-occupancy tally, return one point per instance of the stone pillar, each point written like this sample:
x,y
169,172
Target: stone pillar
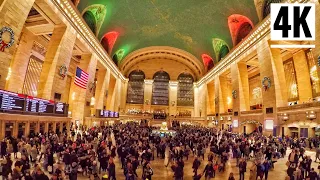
x,y
111,93
101,89
173,93
210,98
147,94
27,129
124,88
240,84
13,14
15,129
20,62
221,86
37,130
117,95
59,53
79,109
3,130
271,66
54,126
303,76
46,127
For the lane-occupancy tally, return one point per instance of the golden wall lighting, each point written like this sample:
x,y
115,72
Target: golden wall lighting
x,y
294,90
311,115
229,100
73,96
314,74
9,74
93,101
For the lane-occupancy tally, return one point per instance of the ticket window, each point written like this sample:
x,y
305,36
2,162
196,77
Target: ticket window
x,y
42,128
50,127
21,128
9,129
33,127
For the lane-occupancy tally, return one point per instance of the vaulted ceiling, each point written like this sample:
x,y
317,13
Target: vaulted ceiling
x,y
207,29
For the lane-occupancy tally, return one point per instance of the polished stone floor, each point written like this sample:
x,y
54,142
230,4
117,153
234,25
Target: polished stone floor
x,y
161,172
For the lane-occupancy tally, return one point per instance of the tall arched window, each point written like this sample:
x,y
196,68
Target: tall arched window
x,y
185,90
135,93
160,89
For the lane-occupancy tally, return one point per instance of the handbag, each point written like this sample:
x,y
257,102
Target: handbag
x,y
287,163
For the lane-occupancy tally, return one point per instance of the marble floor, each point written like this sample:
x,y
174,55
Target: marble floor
x,y
162,173
165,173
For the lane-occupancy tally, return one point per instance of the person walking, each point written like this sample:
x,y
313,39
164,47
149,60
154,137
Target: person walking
x,y
242,168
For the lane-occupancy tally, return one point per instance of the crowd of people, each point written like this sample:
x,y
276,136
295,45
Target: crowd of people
x,y
91,153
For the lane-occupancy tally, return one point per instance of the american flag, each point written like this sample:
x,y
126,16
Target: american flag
x,y
81,79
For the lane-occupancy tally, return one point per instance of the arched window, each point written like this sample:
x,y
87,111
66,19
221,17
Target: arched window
x,y
160,89
94,16
185,90
266,7
88,16
244,30
135,94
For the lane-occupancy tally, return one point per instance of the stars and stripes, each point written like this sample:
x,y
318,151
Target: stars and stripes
x,y
81,78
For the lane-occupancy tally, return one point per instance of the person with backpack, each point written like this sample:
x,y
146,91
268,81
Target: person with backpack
x,y
267,167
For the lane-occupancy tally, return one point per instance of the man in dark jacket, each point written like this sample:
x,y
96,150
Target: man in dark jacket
x,y
195,165
242,168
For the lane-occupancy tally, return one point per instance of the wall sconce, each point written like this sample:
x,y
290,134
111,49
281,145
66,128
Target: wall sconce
x,y
73,96
311,115
229,118
9,74
221,118
93,101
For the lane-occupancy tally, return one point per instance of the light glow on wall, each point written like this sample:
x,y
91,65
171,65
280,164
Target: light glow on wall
x,y
108,40
235,123
269,124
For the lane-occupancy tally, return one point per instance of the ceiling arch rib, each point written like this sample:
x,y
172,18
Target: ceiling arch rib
x,y
167,54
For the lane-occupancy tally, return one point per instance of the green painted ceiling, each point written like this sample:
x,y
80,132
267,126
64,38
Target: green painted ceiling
x,y
186,24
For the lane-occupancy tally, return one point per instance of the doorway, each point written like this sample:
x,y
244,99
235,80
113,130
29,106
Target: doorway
x,y
244,129
304,132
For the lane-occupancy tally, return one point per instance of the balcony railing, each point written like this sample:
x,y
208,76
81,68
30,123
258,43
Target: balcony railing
x,y
257,111
299,106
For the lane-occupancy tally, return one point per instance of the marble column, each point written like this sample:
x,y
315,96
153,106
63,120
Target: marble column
x,y
79,109
173,90
271,66
13,14
101,89
303,76
148,83
59,53
19,63
211,95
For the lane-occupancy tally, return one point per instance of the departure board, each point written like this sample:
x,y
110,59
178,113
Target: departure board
x,y
14,102
11,101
